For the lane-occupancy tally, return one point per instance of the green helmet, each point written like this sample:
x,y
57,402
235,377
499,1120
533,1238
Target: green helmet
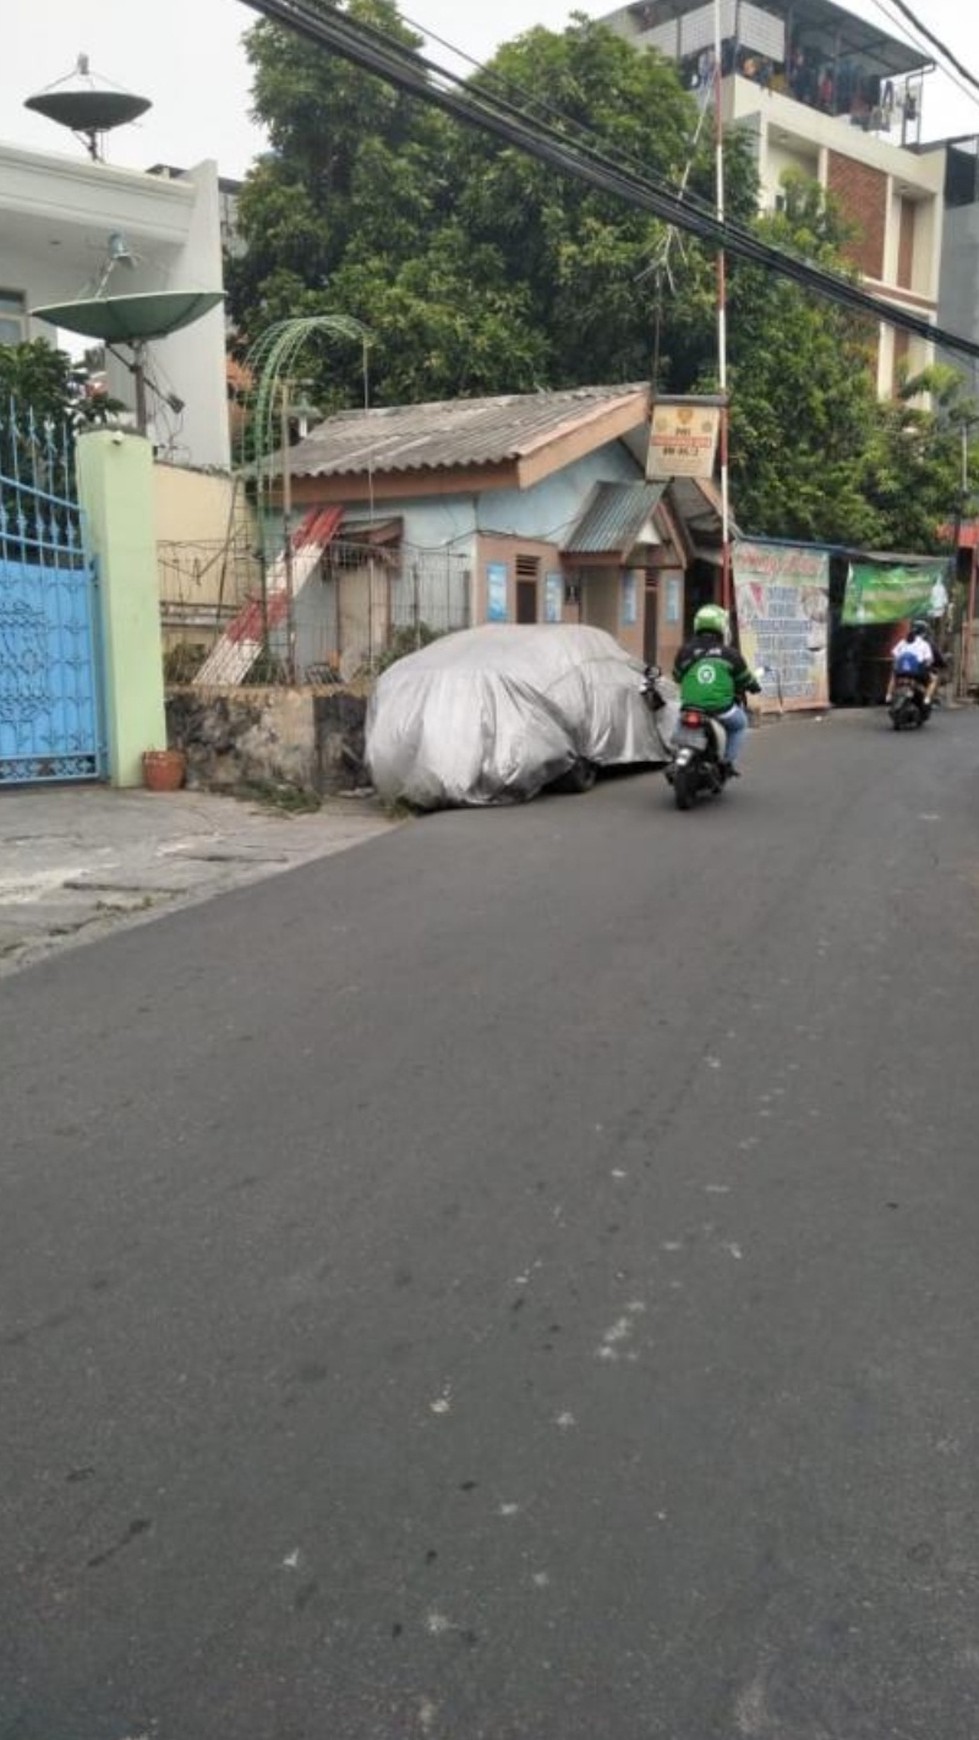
x,y
711,619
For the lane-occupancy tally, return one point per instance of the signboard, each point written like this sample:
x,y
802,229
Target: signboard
x,y
496,592
630,608
879,592
554,598
683,438
782,593
674,599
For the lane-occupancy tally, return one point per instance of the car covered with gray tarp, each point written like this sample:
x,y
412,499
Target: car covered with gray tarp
x,y
492,715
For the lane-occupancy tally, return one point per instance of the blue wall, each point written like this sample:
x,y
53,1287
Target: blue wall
x,y
546,512
549,510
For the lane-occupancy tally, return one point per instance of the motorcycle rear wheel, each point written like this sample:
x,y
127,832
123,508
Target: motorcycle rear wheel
x,y
683,787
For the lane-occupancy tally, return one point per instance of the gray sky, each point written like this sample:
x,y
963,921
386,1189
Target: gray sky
x,y
188,58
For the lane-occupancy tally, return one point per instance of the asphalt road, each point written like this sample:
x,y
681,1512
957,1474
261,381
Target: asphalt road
x,y
515,1279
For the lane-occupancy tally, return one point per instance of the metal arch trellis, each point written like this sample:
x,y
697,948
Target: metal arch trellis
x,y
268,366
269,363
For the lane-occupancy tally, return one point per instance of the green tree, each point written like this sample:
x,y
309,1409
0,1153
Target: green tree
x,y
815,454
913,468
588,260
42,385
475,268
804,407
37,377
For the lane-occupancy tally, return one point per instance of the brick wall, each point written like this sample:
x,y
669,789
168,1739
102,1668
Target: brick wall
x,y
862,195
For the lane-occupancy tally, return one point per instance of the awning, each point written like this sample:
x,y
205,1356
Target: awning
x,y
615,520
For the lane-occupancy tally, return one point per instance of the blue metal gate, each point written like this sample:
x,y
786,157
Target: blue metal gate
x,y
50,701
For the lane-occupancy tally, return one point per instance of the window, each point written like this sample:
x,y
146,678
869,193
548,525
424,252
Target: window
x,y
13,317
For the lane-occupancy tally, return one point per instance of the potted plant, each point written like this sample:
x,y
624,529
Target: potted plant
x,y
164,769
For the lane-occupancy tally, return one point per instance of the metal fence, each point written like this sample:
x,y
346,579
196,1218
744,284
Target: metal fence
x,y
237,610
50,701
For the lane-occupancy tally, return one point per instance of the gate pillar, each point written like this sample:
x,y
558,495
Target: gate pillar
x,y
115,483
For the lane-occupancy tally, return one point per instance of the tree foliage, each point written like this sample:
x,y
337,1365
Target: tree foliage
x,y
815,454
39,381
804,402
479,270
38,376
476,269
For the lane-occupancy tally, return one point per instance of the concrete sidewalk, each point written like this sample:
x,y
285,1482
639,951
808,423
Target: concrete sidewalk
x,y
77,863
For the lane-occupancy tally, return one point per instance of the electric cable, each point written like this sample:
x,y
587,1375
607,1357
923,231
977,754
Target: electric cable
x,y
895,24
936,42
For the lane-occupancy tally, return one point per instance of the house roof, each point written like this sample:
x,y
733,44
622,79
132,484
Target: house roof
x,y
456,432
613,519
698,503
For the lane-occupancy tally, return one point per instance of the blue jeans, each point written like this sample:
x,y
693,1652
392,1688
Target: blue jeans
x,y
735,723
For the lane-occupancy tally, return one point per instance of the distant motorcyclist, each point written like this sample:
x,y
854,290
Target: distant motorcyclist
x,y
917,656
713,675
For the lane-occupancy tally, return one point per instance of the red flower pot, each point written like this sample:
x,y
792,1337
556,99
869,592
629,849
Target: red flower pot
x,y
164,769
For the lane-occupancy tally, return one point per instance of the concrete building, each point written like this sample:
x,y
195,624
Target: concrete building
x,y
57,214
958,307
836,98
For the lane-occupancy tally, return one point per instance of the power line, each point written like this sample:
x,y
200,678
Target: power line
x,y
895,22
568,124
937,42
423,78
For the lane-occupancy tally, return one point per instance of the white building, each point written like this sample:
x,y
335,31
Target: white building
x,y
826,93
56,216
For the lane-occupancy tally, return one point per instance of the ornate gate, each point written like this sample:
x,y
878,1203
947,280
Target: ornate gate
x,y
50,703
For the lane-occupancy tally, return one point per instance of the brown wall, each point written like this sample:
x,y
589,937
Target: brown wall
x,y
506,550
862,196
669,637
603,589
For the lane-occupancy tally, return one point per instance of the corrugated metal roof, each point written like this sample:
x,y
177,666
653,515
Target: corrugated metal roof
x,y
452,432
696,501
614,518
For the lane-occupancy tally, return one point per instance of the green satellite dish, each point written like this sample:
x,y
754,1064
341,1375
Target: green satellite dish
x,y
134,321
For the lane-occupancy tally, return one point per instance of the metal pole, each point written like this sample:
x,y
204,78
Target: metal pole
x,y
722,320
967,662
139,378
287,537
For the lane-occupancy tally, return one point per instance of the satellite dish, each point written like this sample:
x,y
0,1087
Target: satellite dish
x,y
89,106
133,321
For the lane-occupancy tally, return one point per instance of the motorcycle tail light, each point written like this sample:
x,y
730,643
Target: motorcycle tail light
x,y
691,718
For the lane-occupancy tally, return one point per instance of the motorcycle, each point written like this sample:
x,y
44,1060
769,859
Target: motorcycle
x,y
697,765
908,707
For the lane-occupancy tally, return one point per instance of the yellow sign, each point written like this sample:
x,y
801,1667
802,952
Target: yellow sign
x,y
683,439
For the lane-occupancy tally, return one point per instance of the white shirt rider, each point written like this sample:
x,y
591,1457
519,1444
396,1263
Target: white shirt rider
x,y
919,648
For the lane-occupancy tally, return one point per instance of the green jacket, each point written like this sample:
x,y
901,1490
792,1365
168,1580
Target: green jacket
x,y
712,676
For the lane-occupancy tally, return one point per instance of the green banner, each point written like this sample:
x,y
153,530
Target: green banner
x,y
879,592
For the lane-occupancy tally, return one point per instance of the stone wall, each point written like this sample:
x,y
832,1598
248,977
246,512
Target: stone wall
x,y
309,740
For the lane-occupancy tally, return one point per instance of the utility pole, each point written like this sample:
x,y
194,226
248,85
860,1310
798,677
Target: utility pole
x,y
722,318
287,536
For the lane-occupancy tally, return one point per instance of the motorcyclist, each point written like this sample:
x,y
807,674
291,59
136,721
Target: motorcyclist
x,y
917,656
713,675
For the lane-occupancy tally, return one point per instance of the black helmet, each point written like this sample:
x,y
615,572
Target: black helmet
x,y
920,626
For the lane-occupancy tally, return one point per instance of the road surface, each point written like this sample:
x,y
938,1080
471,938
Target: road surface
x,y
518,1280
